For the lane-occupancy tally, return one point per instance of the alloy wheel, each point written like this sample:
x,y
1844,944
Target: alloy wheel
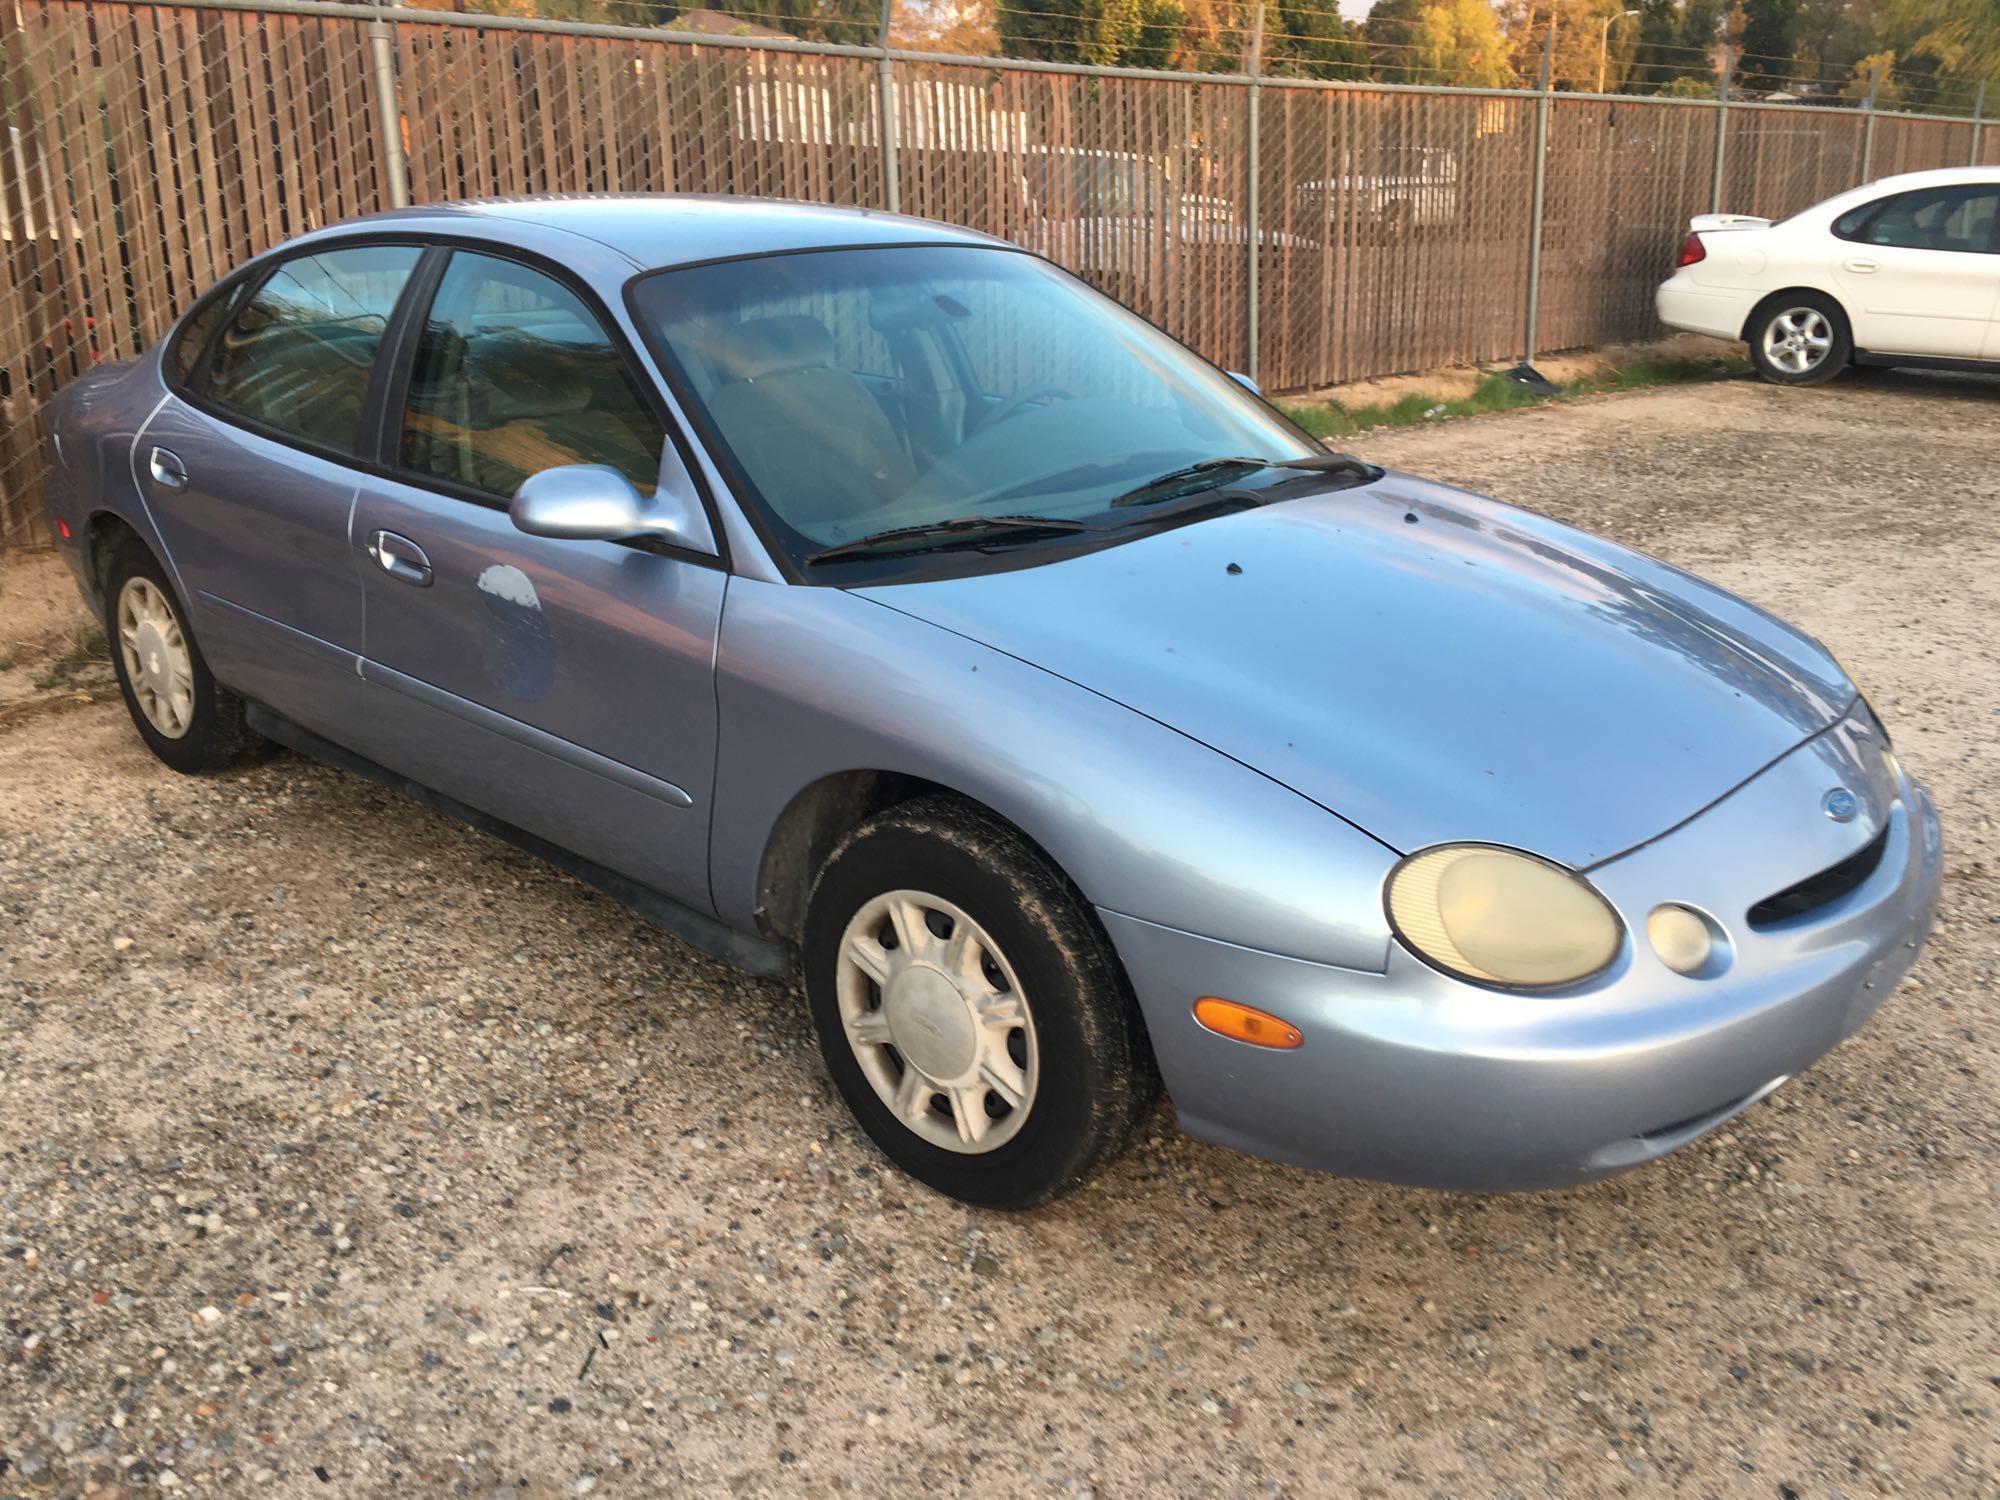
x,y
1798,340
937,1021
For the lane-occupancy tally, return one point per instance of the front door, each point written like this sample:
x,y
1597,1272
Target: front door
x,y
1921,273
565,687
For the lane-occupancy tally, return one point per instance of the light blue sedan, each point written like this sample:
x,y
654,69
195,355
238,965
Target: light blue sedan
x,y
868,596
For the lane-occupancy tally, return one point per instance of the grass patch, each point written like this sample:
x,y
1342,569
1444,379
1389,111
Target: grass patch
x,y
1329,419
86,648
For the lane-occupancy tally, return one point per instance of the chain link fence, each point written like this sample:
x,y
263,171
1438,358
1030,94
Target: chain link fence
x,y
1306,232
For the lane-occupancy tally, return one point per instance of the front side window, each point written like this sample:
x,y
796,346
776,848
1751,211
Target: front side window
x,y
1953,218
297,355
866,389
514,375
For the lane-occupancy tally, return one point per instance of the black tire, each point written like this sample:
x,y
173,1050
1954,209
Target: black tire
x,y
216,736
1839,352
1097,1080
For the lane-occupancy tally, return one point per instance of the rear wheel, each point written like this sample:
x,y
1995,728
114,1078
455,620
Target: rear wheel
x,y
1800,338
187,719
969,1008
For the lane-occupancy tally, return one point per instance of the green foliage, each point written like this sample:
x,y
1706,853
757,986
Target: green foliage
x,y
1686,86
1769,38
1438,41
1672,55
1310,39
1110,33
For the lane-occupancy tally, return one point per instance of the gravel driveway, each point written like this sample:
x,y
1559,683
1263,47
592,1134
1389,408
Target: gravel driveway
x,y
344,1151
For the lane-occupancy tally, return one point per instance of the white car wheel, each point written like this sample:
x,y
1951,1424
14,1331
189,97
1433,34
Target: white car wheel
x,y
1798,340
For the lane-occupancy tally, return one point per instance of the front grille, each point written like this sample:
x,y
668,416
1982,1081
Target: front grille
x,y
1816,891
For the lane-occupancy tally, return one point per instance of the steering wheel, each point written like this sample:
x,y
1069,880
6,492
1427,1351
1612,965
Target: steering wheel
x,y
1013,405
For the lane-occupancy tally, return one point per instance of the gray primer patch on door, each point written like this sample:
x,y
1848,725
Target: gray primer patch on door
x,y
520,650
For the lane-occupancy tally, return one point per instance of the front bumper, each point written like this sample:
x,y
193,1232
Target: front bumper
x,y
1414,1077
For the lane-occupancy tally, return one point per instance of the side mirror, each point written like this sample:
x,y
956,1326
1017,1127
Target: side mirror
x,y
596,503
1246,382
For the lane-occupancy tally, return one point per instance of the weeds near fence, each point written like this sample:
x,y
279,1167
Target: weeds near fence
x,y
84,649
1495,393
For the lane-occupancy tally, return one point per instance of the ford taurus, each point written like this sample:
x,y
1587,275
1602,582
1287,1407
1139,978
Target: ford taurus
x,y
869,597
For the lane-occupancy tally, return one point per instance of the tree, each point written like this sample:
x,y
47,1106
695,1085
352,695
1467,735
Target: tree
x,y
1121,33
1675,38
1686,86
1768,39
1943,49
1311,39
1438,41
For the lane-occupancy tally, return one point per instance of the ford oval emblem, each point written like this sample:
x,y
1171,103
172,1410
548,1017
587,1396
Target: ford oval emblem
x,y
1840,805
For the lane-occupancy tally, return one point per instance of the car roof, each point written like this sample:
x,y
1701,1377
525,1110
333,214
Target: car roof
x,y
672,229
1935,177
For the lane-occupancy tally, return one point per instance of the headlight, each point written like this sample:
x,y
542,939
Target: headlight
x,y
1500,917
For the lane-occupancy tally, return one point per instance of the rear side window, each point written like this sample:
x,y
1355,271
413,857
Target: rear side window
x,y
513,375
296,356
1953,218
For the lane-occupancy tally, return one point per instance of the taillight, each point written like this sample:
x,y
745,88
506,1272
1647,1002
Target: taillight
x,y
1692,250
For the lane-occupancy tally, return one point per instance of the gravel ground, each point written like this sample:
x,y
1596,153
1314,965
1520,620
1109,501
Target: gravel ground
x,y
344,1151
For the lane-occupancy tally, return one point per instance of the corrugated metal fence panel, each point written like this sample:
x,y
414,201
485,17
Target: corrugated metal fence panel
x,y
150,149
1623,180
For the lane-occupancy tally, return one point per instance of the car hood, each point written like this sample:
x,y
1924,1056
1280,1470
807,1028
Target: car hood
x,y
1430,665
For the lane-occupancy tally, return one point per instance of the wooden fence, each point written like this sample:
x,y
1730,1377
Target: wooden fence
x,y
1349,231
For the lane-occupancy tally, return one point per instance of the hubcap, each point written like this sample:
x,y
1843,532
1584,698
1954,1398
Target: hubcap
x,y
937,1021
1798,339
158,664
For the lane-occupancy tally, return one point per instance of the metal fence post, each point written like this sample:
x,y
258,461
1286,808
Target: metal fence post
x,y
1978,120
1541,191
885,77
1721,128
1868,130
1252,197
389,112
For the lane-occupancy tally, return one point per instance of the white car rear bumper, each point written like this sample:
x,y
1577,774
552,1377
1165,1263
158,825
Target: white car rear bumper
x,y
1697,309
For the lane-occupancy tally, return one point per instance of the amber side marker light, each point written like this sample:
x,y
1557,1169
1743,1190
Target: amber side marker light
x,y
1245,1023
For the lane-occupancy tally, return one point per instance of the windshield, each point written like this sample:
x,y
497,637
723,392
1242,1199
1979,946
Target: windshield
x,y
868,390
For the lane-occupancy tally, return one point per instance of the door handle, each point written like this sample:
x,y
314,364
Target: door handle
x,y
1861,265
168,472
400,557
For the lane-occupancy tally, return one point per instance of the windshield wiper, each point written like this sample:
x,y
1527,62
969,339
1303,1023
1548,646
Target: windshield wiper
x,y
1211,472
959,531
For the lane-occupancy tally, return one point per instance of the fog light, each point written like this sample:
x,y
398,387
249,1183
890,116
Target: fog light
x,y
1681,938
1245,1023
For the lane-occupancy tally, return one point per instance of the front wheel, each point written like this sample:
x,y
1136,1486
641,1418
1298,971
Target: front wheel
x,y
1800,339
970,1009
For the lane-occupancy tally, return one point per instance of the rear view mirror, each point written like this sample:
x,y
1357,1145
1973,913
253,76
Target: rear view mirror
x,y
596,503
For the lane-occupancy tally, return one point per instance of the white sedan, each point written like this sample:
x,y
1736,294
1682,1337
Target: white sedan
x,y
1904,271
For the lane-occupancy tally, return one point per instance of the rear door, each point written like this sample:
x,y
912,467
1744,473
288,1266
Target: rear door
x,y
249,469
565,687
1919,272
